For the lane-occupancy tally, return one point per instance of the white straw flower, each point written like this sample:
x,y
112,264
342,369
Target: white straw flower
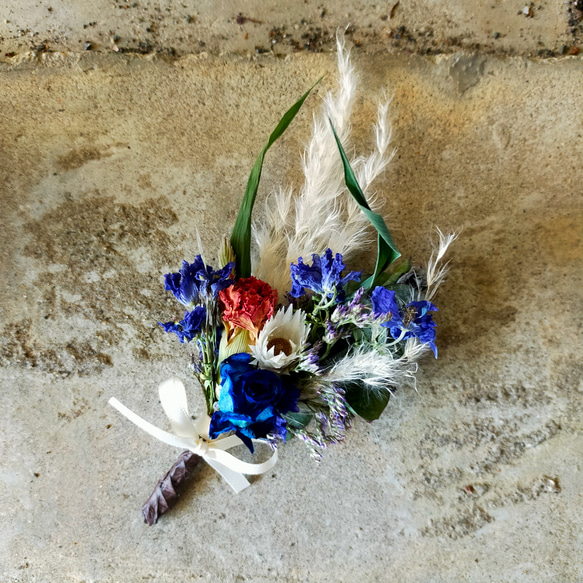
x,y
281,340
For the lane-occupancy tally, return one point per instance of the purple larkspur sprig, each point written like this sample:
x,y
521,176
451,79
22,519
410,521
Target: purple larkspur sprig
x,y
339,416
331,421
310,360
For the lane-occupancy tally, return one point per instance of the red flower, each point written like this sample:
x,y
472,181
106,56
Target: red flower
x,y
247,304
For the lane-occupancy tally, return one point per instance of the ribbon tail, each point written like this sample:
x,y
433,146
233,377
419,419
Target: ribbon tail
x,y
226,442
154,431
240,466
236,480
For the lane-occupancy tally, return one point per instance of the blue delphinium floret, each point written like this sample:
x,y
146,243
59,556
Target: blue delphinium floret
x,y
419,322
414,320
189,327
323,277
384,302
252,401
197,282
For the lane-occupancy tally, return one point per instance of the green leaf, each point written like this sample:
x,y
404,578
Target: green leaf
x,y
351,288
387,251
241,235
391,276
298,420
388,278
402,292
360,335
365,402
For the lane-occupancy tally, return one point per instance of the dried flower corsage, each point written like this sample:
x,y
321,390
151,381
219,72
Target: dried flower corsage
x,y
293,343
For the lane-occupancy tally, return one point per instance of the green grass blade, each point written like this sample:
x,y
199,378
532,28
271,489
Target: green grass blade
x,y
387,251
241,235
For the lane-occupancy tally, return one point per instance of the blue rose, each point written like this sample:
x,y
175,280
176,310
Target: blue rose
x,y
252,401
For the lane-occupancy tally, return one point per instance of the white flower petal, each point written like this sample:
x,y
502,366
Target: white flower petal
x,y
289,326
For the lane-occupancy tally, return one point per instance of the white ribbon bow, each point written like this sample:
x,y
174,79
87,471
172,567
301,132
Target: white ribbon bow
x,y
194,437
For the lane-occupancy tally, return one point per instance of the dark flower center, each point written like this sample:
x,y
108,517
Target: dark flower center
x,y
409,315
281,345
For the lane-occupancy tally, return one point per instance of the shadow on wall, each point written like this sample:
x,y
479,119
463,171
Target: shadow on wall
x,y
498,275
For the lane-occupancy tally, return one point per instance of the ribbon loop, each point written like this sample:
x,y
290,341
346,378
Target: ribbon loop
x,y
173,400
189,435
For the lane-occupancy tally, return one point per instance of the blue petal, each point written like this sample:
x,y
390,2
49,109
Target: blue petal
x,y
172,283
306,276
434,348
324,276
246,440
175,328
351,276
266,414
188,328
197,282
423,307
384,302
193,321
331,270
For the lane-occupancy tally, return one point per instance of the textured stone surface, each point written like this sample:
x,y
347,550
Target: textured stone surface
x,y
109,163
518,27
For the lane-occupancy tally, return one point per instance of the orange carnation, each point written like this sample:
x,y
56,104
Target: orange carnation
x,y
247,304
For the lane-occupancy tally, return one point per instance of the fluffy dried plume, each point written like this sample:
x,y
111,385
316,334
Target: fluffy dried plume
x,y
436,271
378,371
322,215
368,168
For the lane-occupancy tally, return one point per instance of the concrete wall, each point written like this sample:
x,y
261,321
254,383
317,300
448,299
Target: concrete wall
x,y
109,160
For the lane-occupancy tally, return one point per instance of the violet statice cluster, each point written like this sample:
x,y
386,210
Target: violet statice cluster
x,y
334,348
